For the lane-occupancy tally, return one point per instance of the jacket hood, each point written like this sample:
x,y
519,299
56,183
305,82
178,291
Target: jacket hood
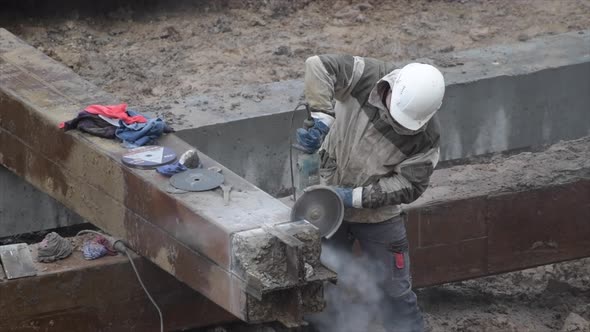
x,y
376,99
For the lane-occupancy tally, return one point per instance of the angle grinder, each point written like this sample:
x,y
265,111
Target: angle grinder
x,y
307,164
322,207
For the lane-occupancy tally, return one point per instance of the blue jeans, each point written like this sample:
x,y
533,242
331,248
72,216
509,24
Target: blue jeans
x,y
385,254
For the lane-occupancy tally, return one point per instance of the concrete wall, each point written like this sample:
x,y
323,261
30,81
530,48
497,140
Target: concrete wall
x,y
516,112
23,208
256,148
490,115
499,98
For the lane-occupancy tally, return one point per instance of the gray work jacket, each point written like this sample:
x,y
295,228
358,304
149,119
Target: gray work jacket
x,y
386,164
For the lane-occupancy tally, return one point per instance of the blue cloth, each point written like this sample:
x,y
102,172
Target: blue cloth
x,y
171,169
345,194
139,134
93,250
311,139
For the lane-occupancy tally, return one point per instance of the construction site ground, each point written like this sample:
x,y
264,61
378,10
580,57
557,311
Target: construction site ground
x,y
153,56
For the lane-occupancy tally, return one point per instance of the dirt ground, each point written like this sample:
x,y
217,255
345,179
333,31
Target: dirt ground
x,y
153,56
534,300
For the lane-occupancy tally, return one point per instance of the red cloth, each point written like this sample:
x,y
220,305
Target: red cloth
x,y
115,111
108,246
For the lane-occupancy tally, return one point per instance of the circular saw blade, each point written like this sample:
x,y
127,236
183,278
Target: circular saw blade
x,y
322,207
197,179
149,157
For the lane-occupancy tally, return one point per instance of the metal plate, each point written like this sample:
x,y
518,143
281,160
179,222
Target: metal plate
x,y
148,157
322,207
17,261
197,180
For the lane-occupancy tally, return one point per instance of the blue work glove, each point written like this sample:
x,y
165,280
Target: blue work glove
x,y
171,169
311,139
345,194
91,251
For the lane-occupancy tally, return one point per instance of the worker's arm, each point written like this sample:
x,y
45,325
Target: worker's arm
x,y
405,186
407,183
325,77
333,77
330,77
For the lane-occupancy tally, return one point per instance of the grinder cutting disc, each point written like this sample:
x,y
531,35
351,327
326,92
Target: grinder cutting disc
x,y
148,157
197,179
322,207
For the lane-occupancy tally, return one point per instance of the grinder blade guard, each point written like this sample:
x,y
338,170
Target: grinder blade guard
x,y
322,207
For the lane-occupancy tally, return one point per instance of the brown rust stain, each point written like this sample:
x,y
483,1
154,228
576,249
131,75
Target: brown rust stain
x,y
188,266
164,210
39,302
23,123
58,181
155,245
539,226
12,156
166,259
38,171
520,230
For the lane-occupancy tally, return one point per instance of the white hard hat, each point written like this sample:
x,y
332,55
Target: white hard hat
x,y
416,95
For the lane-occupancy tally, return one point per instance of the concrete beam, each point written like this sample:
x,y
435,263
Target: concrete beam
x,y
510,214
191,236
102,295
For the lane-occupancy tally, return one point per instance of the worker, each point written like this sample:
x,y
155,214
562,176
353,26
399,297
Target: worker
x,y
378,144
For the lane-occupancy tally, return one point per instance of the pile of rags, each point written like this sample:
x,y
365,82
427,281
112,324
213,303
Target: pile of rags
x,y
53,248
97,247
117,121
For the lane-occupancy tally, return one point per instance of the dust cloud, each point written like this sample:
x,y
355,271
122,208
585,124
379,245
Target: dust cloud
x,y
357,302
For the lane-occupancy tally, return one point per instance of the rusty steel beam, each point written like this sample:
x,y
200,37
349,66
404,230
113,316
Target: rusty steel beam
x,y
192,236
457,239
102,295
